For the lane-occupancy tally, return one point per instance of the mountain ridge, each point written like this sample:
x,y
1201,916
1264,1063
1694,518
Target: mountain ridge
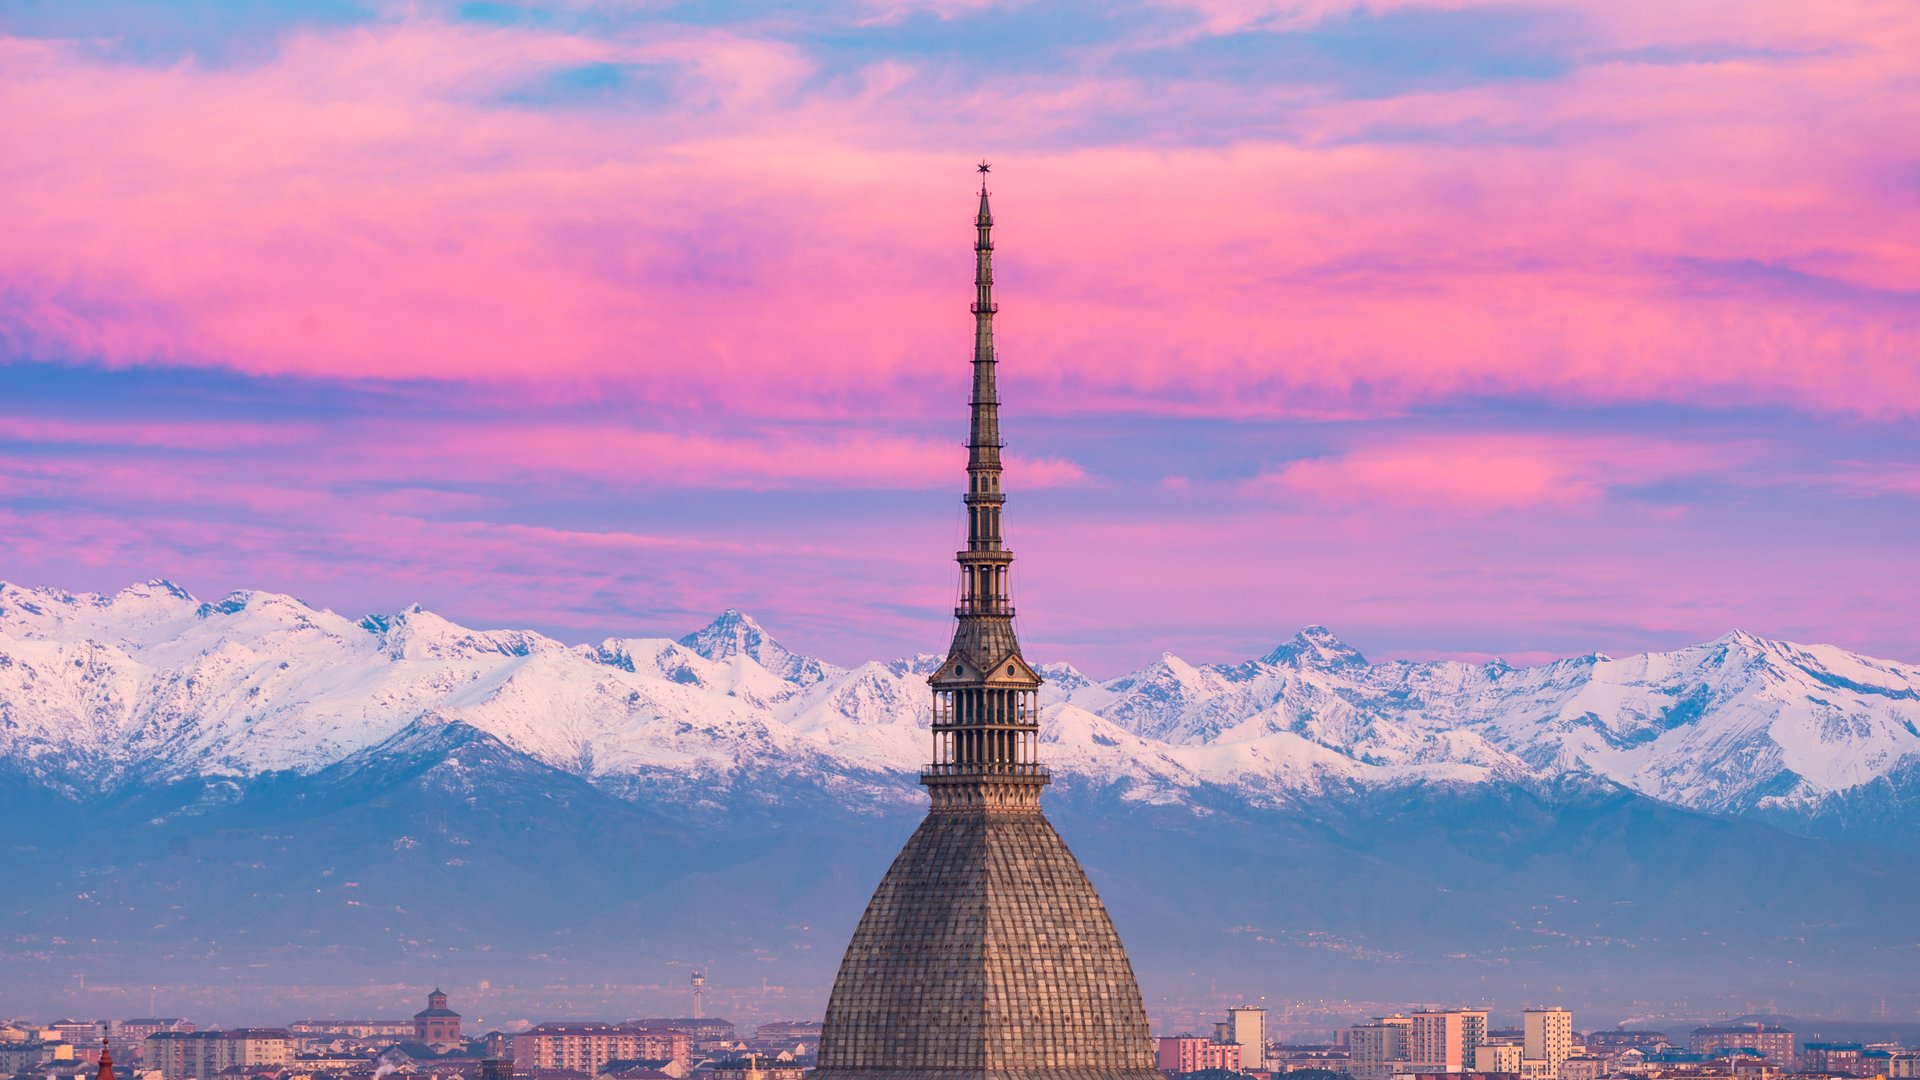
x,y
93,685
205,792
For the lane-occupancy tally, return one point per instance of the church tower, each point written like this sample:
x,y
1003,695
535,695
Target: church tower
x,y
436,1025
985,952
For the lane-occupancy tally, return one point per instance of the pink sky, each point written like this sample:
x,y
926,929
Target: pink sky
x,y
1461,329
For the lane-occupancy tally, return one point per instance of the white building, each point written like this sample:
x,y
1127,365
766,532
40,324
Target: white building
x,y
1548,1036
1247,1025
1500,1057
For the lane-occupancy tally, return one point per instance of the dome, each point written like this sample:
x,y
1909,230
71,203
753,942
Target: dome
x,y
985,952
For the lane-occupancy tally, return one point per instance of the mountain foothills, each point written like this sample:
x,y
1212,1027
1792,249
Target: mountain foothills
x,y
256,787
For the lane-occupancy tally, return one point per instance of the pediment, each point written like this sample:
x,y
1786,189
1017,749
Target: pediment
x,y
1009,670
1012,670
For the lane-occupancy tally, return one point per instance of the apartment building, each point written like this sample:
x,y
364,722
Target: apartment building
x,y
1443,1040
1497,1057
585,1047
1547,1035
198,1055
1247,1026
1190,1053
1379,1049
1776,1044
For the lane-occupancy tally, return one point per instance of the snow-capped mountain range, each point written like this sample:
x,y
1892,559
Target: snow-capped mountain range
x,y
192,789
153,685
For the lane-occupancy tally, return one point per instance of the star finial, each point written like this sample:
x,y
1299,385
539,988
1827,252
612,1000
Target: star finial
x,y
985,168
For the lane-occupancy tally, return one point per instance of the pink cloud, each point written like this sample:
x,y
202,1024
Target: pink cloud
x,y
454,450
1545,583
364,206
1484,473
663,459
1483,478
155,434
1864,479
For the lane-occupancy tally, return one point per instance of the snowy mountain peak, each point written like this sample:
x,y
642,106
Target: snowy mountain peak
x,y
153,607
735,633
152,597
157,586
1315,647
231,604
731,633
1063,677
1742,643
418,634
919,664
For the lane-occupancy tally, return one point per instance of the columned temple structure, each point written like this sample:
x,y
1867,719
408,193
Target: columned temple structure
x,y
985,952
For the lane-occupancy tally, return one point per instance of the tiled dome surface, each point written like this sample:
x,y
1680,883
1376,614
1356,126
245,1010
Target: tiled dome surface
x,y
985,953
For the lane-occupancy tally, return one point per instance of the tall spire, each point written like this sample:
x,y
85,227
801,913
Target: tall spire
x,y
986,697
985,952
985,592
983,443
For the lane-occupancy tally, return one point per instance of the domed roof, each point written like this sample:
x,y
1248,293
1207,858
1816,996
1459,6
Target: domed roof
x,y
985,952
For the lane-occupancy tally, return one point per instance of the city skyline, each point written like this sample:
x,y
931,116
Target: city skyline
x,y
384,1011
1465,330
437,370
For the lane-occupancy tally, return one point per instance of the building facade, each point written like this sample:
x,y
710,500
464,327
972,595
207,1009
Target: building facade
x,y
78,1032
1775,1044
29,1055
586,1047
134,1032
1623,1039
797,1037
1190,1053
752,1067
1443,1041
1497,1057
436,1025
1247,1025
354,1029
1834,1058
1582,1067
198,1055
1548,1036
708,1031
1380,1048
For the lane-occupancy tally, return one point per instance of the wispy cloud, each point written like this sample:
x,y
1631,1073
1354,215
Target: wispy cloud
x,y
1485,473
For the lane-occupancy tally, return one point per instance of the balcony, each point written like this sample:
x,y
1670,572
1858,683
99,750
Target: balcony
x,y
986,769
